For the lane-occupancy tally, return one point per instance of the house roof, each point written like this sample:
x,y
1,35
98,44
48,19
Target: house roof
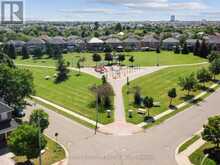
x,y
113,41
95,41
150,39
58,40
36,41
44,37
131,40
6,127
16,42
4,108
214,39
171,40
73,37
193,41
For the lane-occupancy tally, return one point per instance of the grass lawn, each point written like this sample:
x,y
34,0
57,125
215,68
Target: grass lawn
x,y
53,153
73,94
141,58
213,158
188,143
157,85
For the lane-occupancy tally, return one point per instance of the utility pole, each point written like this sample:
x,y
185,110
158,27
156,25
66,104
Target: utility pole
x,y
97,111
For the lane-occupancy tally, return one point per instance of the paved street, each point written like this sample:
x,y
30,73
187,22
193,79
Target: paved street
x,y
156,146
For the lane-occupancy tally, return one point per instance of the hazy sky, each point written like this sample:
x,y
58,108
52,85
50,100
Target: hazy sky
x,y
121,10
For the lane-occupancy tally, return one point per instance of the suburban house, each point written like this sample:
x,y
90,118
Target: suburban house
x,y
58,41
115,43
150,42
170,43
132,43
191,44
95,44
36,43
17,44
75,43
214,42
7,124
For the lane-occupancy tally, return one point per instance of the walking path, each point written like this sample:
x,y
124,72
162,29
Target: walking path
x,y
120,126
183,157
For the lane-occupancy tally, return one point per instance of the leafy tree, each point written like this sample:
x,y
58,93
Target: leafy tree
x,y
211,132
62,70
214,67
37,52
104,80
185,49
96,25
148,103
204,52
131,59
196,50
118,27
108,57
214,55
11,51
107,102
15,85
158,49
177,50
137,97
172,95
41,117
188,83
24,53
79,66
121,58
4,59
24,141
203,75
96,58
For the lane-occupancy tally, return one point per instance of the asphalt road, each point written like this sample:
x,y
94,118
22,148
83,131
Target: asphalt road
x,y
154,147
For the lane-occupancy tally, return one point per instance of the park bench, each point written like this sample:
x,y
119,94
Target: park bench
x,y
156,104
141,111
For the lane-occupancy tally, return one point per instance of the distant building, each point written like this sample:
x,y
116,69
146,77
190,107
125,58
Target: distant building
x,y
172,18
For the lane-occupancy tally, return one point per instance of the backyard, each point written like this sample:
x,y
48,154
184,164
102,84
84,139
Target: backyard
x,y
157,85
73,94
141,58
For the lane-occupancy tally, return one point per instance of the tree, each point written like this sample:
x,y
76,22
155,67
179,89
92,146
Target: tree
x,y
172,95
148,103
211,132
24,141
196,48
24,53
137,97
12,51
121,58
188,83
37,52
41,117
79,66
204,52
15,85
177,50
158,49
62,70
118,27
96,58
4,59
96,25
213,56
104,80
185,49
203,75
108,57
131,59
107,102
214,67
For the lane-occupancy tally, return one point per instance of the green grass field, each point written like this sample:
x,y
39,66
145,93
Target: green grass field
x,y
188,143
197,157
157,85
141,58
73,94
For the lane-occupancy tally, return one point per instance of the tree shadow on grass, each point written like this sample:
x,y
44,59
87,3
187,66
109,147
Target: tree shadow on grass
x,y
149,119
187,97
214,154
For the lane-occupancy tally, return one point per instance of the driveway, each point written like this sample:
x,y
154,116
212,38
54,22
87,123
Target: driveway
x,y
156,146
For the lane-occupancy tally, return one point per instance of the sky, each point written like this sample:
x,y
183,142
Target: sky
x,y
121,10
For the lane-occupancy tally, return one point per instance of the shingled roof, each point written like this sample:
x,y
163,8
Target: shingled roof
x,y
4,108
113,41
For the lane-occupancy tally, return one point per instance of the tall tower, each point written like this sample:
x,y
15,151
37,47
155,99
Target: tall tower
x,y
172,18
